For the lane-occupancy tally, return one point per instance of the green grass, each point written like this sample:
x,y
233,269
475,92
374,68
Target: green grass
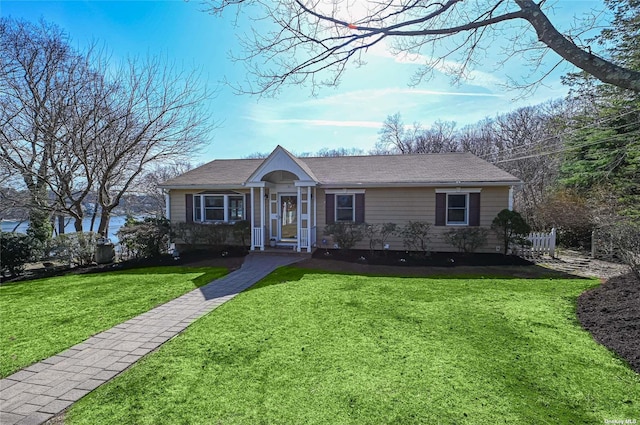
x,y
40,318
306,347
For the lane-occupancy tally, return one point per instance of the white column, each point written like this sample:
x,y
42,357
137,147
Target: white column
x,y
262,217
167,206
299,216
252,220
309,219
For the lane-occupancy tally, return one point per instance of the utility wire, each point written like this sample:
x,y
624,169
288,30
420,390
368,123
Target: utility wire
x,y
493,156
570,148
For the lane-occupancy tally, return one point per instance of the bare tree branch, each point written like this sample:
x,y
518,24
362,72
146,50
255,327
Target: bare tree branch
x,y
312,42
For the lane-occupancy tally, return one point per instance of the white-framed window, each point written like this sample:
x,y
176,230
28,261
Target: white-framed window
x,y
236,207
457,209
218,208
345,207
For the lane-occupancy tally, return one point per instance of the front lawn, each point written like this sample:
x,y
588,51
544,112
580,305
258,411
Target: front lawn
x,y
306,347
40,318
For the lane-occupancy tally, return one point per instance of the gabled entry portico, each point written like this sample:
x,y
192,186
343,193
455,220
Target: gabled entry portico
x,y
283,205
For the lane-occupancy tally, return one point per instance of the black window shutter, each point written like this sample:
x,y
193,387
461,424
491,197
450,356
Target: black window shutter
x,y
441,209
474,209
330,208
188,201
247,208
359,208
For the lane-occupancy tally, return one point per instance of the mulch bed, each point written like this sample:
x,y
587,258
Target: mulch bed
x,y
611,313
413,259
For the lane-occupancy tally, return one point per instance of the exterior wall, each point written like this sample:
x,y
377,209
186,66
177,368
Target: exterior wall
x,y
382,205
401,205
178,206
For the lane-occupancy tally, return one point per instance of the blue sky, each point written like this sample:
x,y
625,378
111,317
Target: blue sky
x,y
348,116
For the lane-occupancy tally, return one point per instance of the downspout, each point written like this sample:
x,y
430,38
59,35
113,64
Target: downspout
x,y
511,198
167,206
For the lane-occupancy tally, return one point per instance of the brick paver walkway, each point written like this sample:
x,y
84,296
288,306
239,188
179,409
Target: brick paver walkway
x,y
42,390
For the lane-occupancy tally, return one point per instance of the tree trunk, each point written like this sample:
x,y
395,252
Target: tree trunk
x,y
60,224
103,227
603,70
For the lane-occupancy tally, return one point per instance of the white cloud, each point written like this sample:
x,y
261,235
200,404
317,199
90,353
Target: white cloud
x,y
473,77
321,123
373,95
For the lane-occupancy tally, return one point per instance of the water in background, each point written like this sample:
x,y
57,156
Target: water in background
x,y
115,223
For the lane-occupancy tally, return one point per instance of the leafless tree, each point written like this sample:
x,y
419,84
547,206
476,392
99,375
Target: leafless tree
x,y
479,139
154,114
527,143
326,152
313,41
148,184
396,138
72,124
36,67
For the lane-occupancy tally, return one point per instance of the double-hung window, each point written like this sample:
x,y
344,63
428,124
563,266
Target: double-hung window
x,y
218,208
344,205
457,209
345,208
236,208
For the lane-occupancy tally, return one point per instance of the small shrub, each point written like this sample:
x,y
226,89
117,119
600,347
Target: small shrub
x,y
415,236
571,215
215,234
622,237
144,239
77,249
372,233
242,232
466,239
346,235
186,232
16,249
510,228
386,231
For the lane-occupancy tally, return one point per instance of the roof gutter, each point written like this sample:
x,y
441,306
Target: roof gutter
x,y
422,184
202,186
355,185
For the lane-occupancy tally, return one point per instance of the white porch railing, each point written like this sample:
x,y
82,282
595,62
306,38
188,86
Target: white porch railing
x,y
541,243
304,238
258,238
307,238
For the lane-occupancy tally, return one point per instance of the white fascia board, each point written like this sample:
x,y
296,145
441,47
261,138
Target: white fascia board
x,y
305,183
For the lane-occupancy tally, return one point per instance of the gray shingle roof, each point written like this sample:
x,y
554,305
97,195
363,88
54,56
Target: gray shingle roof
x,y
428,169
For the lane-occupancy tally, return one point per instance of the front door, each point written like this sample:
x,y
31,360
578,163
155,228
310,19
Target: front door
x,y
288,217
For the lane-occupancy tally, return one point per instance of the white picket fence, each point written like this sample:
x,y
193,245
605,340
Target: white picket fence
x,y
541,243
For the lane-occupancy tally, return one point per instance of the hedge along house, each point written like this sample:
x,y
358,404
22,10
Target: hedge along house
x,y
288,201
